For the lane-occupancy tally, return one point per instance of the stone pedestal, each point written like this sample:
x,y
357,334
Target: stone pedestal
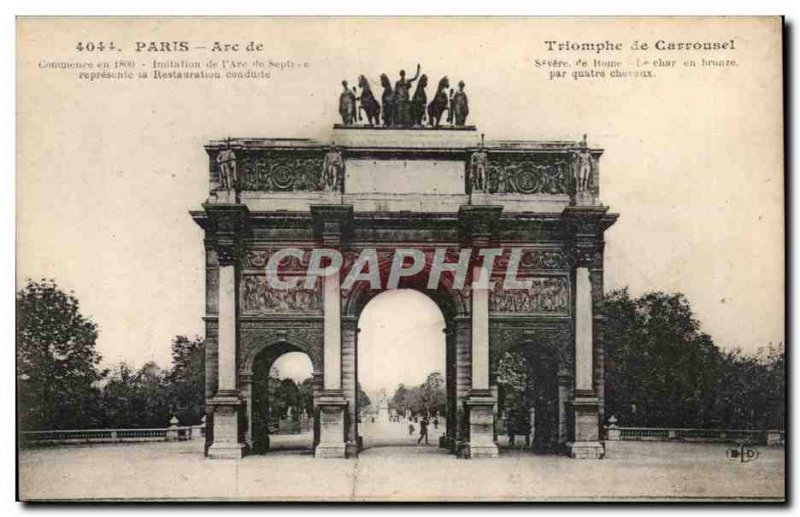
x,y
332,406
774,438
586,432
480,405
227,444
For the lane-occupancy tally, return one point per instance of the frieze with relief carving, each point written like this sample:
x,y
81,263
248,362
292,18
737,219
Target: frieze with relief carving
x,y
258,259
280,172
537,259
259,297
548,295
529,174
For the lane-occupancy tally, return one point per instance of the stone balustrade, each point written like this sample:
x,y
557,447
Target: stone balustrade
x,y
662,434
88,436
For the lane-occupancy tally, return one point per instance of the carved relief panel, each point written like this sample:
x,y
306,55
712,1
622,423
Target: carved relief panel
x,y
529,174
547,295
259,297
280,172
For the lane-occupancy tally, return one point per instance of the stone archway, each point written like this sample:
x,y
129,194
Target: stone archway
x,y
257,362
453,305
402,339
402,189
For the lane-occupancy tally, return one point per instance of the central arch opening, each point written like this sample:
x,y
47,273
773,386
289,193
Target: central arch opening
x,y
402,356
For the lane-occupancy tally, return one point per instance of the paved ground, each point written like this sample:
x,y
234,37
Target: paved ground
x,y
394,467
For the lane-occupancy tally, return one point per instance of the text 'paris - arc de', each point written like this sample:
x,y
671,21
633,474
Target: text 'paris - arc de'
x,y
393,185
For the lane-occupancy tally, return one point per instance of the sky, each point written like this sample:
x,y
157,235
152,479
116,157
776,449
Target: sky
x,y
107,171
401,341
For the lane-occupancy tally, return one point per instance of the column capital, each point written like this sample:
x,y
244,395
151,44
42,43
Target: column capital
x,y
228,254
228,227
350,323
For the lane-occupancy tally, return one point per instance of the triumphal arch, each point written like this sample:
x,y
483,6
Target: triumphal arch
x,y
441,195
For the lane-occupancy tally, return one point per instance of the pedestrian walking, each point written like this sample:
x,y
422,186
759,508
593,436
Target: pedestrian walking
x,y
410,429
436,423
423,430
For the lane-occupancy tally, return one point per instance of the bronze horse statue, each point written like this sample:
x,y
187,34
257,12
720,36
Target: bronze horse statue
x,y
440,103
419,101
388,101
368,103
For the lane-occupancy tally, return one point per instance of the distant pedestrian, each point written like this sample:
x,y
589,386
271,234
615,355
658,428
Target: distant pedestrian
x,y
410,429
436,423
423,430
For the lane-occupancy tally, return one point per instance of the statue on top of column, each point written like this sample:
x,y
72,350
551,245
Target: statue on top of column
x,y
459,106
584,167
332,170
479,168
402,99
368,103
226,162
388,101
398,107
347,105
419,102
439,104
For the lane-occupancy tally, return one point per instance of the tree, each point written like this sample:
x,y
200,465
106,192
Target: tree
x,y
751,393
136,398
363,398
306,395
516,390
432,396
662,371
428,397
399,401
57,363
186,379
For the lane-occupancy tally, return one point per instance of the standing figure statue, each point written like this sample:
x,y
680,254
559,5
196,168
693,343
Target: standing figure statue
x,y
347,105
356,98
479,167
419,101
388,101
450,110
460,105
439,103
226,162
402,99
368,103
583,172
332,170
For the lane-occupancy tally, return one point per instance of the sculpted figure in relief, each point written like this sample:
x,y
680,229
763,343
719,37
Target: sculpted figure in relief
x,y
258,297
